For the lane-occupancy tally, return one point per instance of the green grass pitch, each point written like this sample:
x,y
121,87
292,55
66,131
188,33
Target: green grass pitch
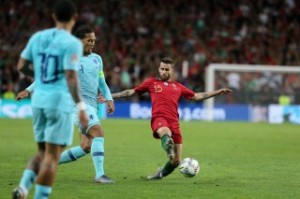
x,y
238,160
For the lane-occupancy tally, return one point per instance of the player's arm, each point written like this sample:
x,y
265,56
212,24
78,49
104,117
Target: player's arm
x,y
71,76
206,95
105,91
124,94
25,61
25,66
70,63
144,87
25,93
130,92
103,88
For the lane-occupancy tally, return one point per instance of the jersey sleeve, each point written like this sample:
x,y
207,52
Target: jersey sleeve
x,y
100,65
103,87
30,88
73,53
100,71
144,87
27,53
186,92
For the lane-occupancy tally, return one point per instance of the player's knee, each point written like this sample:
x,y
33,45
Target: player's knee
x,y
164,131
96,131
51,157
49,163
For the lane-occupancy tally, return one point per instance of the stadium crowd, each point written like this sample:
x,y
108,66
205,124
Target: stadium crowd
x,y
133,35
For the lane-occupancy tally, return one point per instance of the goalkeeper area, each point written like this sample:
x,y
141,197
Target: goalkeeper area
x,y
238,160
256,85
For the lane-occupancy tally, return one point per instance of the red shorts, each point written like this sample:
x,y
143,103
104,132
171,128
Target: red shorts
x,y
159,122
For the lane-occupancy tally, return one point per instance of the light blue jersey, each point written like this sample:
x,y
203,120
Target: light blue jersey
x,y
52,51
92,80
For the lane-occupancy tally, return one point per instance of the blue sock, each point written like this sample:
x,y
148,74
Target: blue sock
x,y
71,154
27,179
97,152
42,192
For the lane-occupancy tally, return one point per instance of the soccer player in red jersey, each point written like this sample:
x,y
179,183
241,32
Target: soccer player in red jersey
x,y
165,94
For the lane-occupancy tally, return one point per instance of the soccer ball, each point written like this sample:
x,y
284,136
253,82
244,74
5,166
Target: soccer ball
x,y
189,167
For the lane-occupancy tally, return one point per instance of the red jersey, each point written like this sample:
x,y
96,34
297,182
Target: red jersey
x,y
164,96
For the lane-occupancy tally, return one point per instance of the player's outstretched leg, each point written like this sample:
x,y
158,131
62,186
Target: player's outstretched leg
x,y
97,152
168,168
168,144
157,175
71,155
163,172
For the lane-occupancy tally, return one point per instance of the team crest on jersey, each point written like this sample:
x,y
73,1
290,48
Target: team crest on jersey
x,y
74,59
166,83
96,63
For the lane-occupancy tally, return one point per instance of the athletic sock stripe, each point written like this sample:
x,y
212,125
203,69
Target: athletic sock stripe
x,y
32,179
98,153
71,155
44,194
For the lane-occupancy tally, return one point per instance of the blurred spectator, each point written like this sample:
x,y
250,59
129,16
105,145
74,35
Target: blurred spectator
x,y
114,80
284,99
125,78
9,94
133,34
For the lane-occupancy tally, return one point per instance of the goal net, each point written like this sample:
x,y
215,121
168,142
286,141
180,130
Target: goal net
x,y
257,85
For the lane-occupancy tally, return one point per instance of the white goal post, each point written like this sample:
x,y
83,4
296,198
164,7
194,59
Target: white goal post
x,y
213,68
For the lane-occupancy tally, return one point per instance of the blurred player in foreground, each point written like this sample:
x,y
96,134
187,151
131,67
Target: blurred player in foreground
x,y
92,80
54,54
165,94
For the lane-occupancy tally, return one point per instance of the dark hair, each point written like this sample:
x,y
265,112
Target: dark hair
x,y
64,10
167,60
82,30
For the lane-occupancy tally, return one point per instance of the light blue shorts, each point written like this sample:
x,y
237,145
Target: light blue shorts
x,y
52,126
92,115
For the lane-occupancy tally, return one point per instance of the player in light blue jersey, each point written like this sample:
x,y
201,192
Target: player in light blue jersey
x,y
92,81
54,54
